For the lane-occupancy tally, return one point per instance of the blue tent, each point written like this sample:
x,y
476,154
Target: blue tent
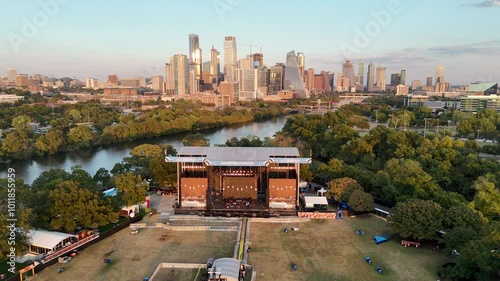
x,y
379,239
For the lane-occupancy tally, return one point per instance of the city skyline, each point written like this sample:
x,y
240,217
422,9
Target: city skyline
x,y
92,39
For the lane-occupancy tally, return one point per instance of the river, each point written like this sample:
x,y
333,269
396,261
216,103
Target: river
x,y
107,156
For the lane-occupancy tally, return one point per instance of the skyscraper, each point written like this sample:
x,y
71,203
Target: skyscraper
x,y
276,78
177,72
310,79
293,79
403,77
348,71
361,72
381,82
301,61
11,74
429,81
370,77
440,74
258,60
195,57
395,79
157,82
230,58
214,63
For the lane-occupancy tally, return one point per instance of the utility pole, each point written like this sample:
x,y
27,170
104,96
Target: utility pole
x,y
478,134
425,126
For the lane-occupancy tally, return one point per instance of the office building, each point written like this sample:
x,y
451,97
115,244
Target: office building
x,y
416,85
310,79
92,83
113,79
395,79
22,80
214,69
11,74
258,60
195,55
429,81
177,75
293,79
248,83
231,89
246,63
301,62
402,90
276,74
403,77
370,77
348,71
230,59
157,83
361,72
440,74
381,82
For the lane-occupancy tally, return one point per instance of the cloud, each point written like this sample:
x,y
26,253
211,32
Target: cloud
x,y
489,48
486,4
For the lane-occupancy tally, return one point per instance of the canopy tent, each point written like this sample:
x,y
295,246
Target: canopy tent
x,y
321,192
43,241
228,268
310,201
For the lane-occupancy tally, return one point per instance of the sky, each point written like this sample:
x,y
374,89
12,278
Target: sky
x,y
135,38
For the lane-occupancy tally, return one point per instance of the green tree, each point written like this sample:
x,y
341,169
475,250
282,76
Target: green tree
x,y
416,218
360,201
80,137
342,188
75,206
147,150
487,198
21,122
50,143
195,140
16,144
102,177
133,188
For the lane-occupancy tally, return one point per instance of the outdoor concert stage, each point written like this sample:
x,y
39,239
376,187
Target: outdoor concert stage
x,y
238,181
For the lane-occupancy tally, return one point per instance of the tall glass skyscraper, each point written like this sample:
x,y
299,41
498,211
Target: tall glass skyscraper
x,y
195,59
230,59
293,80
370,77
361,72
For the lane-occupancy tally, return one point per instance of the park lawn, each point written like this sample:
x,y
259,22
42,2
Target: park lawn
x,y
331,250
134,257
180,274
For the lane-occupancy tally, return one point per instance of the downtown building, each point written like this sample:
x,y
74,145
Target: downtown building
x,y
177,75
293,79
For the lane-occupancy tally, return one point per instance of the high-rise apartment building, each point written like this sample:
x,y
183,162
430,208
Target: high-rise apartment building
x,y
230,58
214,62
293,79
403,77
370,77
11,74
381,76
348,71
361,72
440,74
177,74
157,83
22,80
195,55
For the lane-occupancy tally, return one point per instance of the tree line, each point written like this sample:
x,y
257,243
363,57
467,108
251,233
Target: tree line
x,y
84,125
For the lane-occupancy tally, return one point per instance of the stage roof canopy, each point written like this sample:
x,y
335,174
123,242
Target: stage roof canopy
x,y
238,156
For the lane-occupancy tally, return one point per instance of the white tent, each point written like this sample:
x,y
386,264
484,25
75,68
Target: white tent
x,y
43,241
321,192
228,268
314,200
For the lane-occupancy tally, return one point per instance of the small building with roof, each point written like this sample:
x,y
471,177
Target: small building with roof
x,y
227,269
44,241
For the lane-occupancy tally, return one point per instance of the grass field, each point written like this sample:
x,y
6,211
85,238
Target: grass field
x,y
331,250
179,274
134,257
